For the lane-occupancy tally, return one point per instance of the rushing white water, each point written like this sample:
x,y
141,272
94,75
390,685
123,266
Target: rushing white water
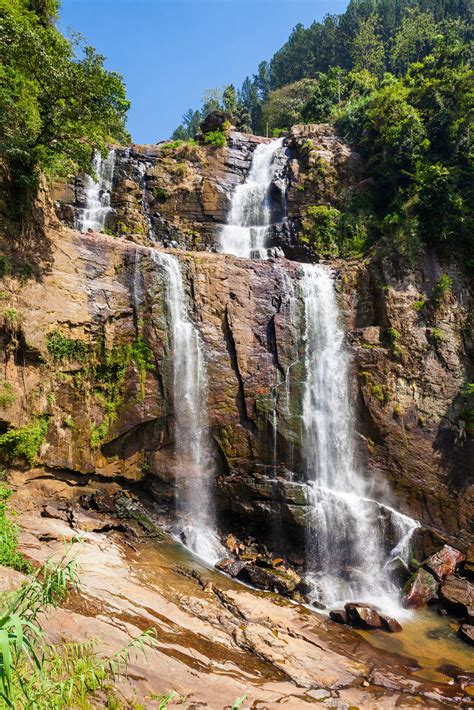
x,y
345,550
249,216
193,460
97,206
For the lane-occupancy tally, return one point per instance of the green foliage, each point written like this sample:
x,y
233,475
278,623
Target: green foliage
x,y
22,444
437,335
36,674
108,375
320,229
442,288
284,105
7,394
9,536
367,49
393,339
217,138
420,304
63,349
57,101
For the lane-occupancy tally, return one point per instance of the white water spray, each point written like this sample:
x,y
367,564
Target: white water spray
x,y
249,216
193,459
345,551
97,206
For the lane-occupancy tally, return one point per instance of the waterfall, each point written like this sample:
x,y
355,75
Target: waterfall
x,y
97,194
345,536
249,216
193,459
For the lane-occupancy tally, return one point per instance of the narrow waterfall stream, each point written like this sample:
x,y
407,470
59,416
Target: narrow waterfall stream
x,y
250,213
346,550
97,194
194,467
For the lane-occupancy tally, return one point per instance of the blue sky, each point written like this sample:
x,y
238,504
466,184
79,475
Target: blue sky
x,y
170,51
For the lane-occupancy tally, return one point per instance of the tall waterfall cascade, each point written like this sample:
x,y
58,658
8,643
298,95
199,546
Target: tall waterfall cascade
x,y
250,213
194,468
345,546
97,194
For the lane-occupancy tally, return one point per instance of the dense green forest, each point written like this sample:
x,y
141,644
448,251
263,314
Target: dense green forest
x,y
395,77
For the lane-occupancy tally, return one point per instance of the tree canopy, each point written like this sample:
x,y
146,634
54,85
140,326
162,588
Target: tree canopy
x,y
57,101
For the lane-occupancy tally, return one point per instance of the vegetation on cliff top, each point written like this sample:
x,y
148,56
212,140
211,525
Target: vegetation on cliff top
x,y
57,101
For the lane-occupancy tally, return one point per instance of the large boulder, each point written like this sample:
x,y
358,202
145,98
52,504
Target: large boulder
x,y
362,615
215,120
444,562
282,581
421,588
231,567
457,594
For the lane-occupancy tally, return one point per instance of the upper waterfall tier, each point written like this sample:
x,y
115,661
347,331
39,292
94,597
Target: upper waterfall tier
x,y
250,212
96,207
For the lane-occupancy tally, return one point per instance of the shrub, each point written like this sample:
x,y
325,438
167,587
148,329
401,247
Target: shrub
x,y
62,348
442,288
217,139
7,395
320,228
9,536
23,444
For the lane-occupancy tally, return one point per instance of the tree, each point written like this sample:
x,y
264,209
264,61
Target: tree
x,y
327,95
415,38
212,100
55,109
368,50
229,99
284,106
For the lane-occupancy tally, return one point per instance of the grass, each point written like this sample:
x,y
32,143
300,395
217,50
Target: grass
x,y
9,535
37,674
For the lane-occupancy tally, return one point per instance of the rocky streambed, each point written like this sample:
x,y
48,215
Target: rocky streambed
x,y
217,639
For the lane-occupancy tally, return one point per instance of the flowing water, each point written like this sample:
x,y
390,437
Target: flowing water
x,y
345,546
250,213
97,192
194,466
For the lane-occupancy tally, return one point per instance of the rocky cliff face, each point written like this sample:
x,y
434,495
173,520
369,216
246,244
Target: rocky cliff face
x,y
86,350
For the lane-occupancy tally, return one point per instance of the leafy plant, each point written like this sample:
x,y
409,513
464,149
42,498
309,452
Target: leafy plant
x,y
9,535
217,138
36,674
22,444
442,288
62,349
7,394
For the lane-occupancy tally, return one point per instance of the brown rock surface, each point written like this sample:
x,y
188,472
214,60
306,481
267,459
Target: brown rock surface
x,y
421,588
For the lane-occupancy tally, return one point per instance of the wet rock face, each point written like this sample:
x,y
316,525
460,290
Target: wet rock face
x,y
421,589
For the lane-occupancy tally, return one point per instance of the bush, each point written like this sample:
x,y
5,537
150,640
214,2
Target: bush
x,y
217,139
7,395
442,288
9,536
320,229
23,444
62,348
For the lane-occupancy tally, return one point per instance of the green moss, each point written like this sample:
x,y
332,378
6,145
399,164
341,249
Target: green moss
x,y
437,335
23,444
160,193
64,349
108,375
393,338
7,395
420,304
